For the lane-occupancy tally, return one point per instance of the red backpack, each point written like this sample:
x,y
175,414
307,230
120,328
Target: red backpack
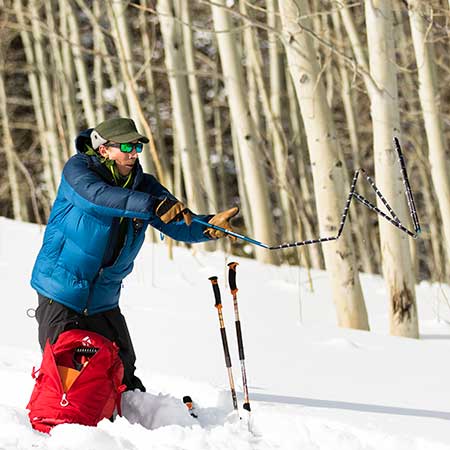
x,y
79,381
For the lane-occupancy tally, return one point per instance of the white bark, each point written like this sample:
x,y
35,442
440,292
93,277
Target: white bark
x,y
253,172
98,64
362,229
117,13
36,98
106,60
396,259
306,211
273,115
46,93
80,66
8,148
206,177
329,170
147,48
430,102
64,102
182,115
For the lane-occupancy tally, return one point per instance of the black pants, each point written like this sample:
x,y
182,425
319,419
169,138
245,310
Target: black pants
x,y
54,318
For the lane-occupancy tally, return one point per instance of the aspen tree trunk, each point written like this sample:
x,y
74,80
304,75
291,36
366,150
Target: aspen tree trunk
x,y
147,49
117,13
362,229
438,272
250,76
80,66
98,65
430,102
110,69
62,99
184,127
306,210
252,169
116,10
68,88
36,98
441,266
397,266
206,179
329,170
8,148
243,192
46,94
274,108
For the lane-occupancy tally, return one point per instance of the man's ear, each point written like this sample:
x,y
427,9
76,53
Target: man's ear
x,y
103,151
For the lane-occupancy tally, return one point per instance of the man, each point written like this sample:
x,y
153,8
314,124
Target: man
x,y
95,230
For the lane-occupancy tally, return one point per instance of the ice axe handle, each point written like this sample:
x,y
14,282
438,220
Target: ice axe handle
x,y
215,286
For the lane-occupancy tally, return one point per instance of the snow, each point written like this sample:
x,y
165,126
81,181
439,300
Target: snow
x,y
313,386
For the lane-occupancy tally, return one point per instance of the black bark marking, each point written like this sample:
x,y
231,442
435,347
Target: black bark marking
x,y
304,78
403,304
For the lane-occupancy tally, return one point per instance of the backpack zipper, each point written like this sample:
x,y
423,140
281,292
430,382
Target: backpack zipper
x,y
64,402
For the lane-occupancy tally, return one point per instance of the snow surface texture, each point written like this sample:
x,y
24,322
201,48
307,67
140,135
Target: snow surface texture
x,y
313,386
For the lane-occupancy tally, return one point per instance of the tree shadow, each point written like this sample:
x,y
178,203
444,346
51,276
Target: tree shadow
x,y
363,407
435,336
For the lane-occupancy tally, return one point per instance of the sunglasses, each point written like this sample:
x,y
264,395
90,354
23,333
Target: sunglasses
x,y
127,147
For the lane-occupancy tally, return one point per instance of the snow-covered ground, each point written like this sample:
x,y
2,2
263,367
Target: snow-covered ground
x,y
312,385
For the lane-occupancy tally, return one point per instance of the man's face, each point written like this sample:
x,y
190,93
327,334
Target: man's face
x,y
124,161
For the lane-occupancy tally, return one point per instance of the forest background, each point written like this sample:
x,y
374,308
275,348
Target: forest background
x,y
269,105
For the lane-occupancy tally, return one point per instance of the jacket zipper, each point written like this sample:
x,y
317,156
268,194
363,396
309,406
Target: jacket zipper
x,y
85,310
99,274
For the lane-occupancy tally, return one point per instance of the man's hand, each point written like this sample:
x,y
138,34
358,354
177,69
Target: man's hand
x,y
169,210
222,220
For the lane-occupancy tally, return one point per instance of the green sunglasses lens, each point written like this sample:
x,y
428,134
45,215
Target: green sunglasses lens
x,y
128,147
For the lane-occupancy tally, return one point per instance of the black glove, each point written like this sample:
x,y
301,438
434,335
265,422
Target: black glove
x,y
222,220
169,210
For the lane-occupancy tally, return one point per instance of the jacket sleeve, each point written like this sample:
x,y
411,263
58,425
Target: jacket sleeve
x,y
87,190
176,230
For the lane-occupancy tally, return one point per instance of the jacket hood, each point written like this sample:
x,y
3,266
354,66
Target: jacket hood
x,y
83,141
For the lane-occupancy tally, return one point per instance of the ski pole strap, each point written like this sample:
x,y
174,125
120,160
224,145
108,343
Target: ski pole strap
x,y
216,290
232,277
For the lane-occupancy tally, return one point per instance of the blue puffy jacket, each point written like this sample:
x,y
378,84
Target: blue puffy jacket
x,y
84,221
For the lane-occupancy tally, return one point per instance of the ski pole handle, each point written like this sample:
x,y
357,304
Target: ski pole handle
x,y
232,277
223,333
215,286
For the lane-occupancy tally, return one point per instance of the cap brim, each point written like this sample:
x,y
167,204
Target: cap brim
x,y
129,137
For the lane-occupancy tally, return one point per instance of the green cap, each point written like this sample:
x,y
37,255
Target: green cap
x,y
120,130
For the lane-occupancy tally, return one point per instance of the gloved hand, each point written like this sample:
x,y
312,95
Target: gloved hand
x,y
222,220
169,210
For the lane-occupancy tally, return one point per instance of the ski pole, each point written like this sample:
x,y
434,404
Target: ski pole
x,y
218,305
234,290
352,194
